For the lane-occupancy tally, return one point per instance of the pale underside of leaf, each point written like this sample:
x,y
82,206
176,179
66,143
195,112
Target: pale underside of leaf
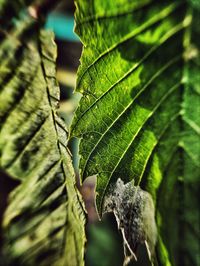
x,y
44,221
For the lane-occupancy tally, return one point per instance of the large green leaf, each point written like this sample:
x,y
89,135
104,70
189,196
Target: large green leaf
x,y
139,115
44,221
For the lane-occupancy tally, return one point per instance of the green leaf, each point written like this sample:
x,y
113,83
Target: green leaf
x,y
44,221
139,115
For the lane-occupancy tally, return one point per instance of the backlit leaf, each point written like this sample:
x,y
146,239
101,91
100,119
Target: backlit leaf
x,y
139,115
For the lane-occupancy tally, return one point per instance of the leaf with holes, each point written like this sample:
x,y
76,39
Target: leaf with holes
x,y
139,115
44,221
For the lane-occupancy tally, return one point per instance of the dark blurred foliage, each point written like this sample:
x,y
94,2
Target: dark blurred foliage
x,y
7,184
104,246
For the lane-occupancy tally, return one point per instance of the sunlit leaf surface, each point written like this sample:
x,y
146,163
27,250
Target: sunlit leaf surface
x,y
139,117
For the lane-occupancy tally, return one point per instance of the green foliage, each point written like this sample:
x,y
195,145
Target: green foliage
x,y
139,117
104,247
44,221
